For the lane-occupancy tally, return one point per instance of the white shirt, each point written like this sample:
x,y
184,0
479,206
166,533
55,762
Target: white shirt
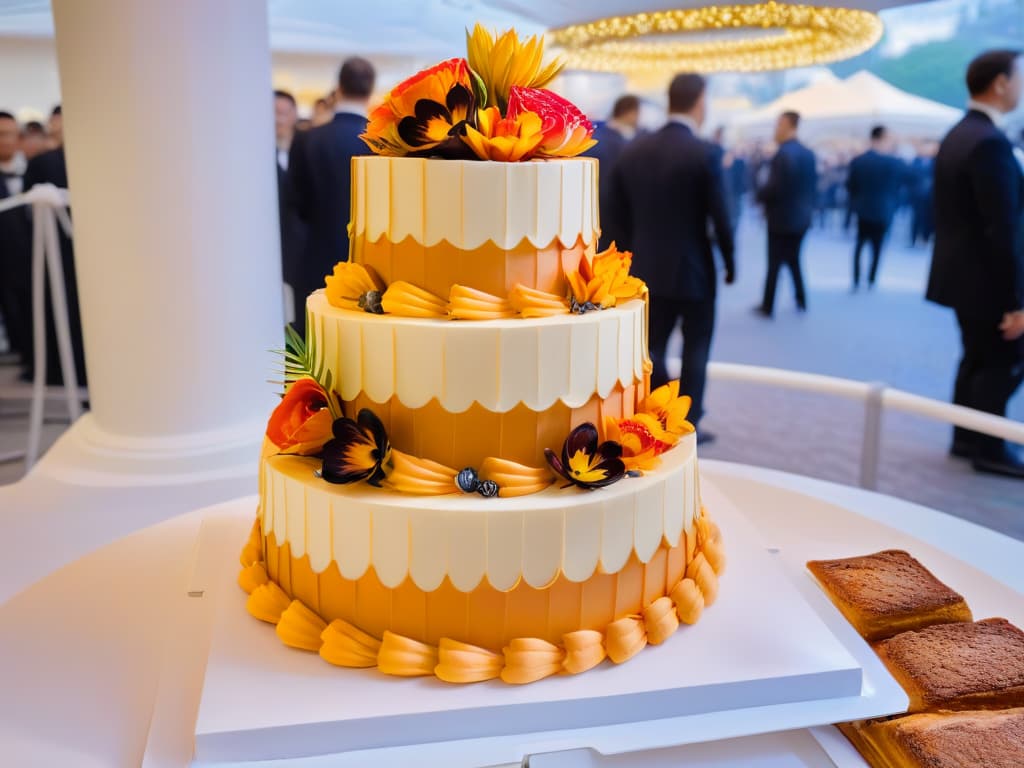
x,y
689,122
994,114
282,159
351,107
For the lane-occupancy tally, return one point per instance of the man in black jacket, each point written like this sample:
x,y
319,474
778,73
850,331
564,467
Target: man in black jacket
x,y
665,189
612,137
789,198
978,263
874,185
320,178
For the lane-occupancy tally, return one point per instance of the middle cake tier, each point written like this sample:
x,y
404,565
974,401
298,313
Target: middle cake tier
x,y
459,391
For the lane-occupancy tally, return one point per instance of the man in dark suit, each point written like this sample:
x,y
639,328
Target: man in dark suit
x,y
320,178
874,184
50,168
612,137
666,187
978,261
293,229
789,197
922,223
15,244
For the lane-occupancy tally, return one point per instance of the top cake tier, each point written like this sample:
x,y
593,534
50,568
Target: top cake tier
x,y
483,224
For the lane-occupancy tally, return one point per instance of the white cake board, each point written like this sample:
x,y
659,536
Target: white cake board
x,y
761,659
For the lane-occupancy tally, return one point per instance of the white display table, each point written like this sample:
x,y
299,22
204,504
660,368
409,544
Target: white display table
x,y
103,661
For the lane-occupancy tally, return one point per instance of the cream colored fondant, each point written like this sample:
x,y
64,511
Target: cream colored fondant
x,y
496,363
468,538
470,203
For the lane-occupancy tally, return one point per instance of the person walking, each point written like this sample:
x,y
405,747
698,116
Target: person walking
x,y
978,260
789,197
612,137
874,184
320,180
666,188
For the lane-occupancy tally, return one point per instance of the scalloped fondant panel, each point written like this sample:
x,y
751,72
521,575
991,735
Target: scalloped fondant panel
x,y
468,203
537,538
436,268
496,363
465,439
485,616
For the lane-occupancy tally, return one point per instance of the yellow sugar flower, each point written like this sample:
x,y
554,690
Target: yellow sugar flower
x,y
502,61
612,267
666,405
504,139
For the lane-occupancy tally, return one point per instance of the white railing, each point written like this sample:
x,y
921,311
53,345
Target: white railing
x,y
876,398
49,208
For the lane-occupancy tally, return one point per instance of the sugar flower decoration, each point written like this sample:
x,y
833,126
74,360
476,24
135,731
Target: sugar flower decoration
x,y
301,422
584,462
503,61
425,114
504,139
359,450
566,131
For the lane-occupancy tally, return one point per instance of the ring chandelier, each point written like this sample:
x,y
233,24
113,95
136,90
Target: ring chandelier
x,y
799,35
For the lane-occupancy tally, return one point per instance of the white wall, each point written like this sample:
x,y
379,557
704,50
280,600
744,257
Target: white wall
x,y
29,85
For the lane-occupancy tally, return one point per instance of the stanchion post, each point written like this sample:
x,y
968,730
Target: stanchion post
x,y
872,445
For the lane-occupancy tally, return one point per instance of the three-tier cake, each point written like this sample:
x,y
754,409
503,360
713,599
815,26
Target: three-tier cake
x,y
468,475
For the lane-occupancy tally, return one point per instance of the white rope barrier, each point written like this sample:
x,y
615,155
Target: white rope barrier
x,y
49,208
876,397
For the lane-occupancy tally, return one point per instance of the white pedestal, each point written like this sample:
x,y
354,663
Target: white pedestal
x,y
760,659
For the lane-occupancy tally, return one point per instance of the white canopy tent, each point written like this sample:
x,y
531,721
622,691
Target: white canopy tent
x,y
850,107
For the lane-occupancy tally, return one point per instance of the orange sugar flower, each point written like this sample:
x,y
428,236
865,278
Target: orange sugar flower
x,y
567,131
302,421
424,114
642,437
504,139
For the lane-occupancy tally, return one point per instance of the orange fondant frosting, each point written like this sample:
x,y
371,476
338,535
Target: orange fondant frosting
x,y
347,646
464,663
707,581
423,477
660,620
529,302
523,659
529,659
688,600
584,649
407,300
267,602
252,552
404,657
465,439
485,617
515,479
466,303
489,268
252,576
625,638
300,628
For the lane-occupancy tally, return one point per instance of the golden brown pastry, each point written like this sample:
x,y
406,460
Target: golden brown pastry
x,y
887,593
971,665
942,740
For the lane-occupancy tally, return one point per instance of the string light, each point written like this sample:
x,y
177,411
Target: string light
x,y
770,36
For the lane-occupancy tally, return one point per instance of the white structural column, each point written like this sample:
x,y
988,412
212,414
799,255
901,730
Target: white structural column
x,y
169,142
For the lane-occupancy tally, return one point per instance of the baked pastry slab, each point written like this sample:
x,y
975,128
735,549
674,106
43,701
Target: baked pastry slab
x,y
887,593
984,739
968,665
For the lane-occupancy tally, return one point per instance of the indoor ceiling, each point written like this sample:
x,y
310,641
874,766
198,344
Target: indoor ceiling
x,y
400,27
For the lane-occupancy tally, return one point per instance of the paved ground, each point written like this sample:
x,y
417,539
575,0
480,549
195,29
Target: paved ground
x,y
888,335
